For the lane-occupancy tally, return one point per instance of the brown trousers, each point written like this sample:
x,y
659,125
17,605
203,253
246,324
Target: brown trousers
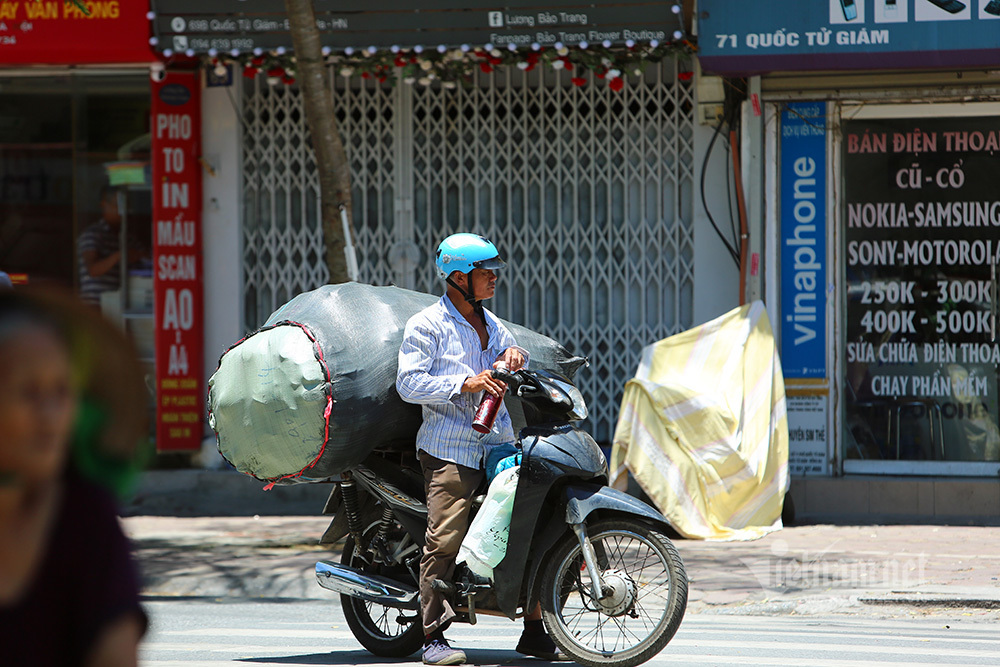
x,y
450,488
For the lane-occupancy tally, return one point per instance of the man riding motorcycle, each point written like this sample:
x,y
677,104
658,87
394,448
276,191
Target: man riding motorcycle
x,y
446,359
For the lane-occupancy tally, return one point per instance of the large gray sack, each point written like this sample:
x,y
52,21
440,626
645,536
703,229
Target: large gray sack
x,y
313,392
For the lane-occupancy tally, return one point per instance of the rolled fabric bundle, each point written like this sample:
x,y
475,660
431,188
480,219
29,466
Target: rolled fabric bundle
x,y
313,392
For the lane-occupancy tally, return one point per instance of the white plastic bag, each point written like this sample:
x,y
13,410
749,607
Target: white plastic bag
x,y
486,542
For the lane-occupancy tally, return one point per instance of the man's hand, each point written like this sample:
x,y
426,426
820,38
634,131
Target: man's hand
x,y
99,267
484,382
512,358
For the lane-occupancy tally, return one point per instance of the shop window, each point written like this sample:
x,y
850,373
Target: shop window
x,y
64,140
36,186
921,237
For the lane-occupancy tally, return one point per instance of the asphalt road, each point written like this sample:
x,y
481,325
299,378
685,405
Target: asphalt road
x,y
197,632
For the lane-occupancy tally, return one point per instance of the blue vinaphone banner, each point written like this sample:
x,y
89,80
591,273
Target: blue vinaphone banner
x,y
803,240
755,37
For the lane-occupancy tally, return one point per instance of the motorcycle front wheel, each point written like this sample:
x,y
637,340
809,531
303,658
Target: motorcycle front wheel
x,y
385,631
643,597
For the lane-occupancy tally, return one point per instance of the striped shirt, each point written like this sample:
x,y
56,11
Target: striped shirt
x,y
102,238
440,351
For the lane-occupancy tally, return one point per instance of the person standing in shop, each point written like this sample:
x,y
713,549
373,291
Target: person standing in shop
x,y
99,250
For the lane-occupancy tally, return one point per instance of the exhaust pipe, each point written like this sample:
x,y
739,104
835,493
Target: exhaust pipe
x,y
372,588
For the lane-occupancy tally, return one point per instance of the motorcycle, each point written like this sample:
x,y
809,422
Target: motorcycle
x,y
611,584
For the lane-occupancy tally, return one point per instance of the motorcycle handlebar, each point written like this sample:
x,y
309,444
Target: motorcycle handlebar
x,y
512,380
522,383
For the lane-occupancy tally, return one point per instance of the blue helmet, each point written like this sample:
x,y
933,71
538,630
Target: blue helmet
x,y
465,252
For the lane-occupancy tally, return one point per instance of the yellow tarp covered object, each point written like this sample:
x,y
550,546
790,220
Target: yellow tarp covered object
x,y
703,428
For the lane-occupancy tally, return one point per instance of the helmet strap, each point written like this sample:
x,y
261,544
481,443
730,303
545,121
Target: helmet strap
x,y
469,296
477,305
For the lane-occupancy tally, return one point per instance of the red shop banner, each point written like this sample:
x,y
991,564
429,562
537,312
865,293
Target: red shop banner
x,y
177,261
55,32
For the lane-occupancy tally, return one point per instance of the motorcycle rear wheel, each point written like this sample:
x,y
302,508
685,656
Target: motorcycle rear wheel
x,y
641,568
376,626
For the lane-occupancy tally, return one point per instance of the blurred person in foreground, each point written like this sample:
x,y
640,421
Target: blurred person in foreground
x,y
71,414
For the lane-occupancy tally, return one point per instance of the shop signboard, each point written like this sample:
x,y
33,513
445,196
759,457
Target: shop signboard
x,y
177,261
921,245
807,406
226,26
803,240
790,35
39,32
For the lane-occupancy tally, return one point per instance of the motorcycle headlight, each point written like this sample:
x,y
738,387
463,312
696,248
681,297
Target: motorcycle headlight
x,y
572,398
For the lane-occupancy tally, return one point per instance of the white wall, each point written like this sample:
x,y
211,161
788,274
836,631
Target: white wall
x,y
222,246
716,278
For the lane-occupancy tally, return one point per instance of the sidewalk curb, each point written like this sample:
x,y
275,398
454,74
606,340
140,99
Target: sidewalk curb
x,y
189,493
956,603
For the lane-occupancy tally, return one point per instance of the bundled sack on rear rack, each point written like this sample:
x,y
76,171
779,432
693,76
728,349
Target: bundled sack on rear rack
x,y
312,393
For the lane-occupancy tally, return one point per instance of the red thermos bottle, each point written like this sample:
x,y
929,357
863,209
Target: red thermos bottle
x,y
488,407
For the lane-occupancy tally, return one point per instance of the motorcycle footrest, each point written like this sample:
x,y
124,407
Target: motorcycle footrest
x,y
443,586
465,589
461,589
